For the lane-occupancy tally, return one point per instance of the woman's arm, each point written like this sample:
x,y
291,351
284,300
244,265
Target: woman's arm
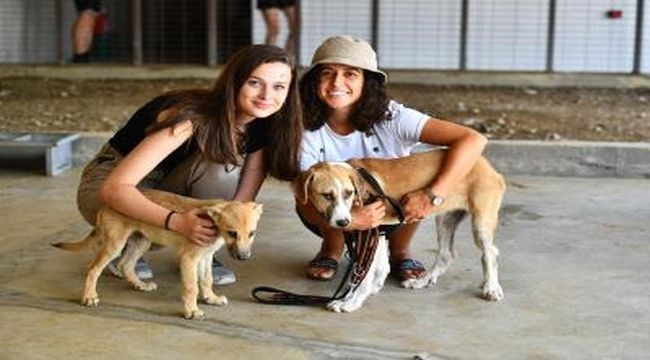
x,y
251,178
121,193
464,147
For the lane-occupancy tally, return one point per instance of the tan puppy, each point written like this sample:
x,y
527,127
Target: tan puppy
x,y
333,187
236,223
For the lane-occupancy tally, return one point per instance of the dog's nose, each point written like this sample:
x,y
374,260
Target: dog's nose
x,y
243,256
342,222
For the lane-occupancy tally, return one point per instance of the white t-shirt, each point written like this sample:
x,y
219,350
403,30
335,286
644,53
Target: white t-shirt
x,y
391,139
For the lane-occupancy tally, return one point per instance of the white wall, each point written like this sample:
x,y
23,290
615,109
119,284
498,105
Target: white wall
x,y
419,34
28,31
322,19
507,35
586,40
12,27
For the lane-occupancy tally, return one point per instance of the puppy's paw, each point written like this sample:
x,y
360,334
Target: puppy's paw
x,y
376,288
335,306
219,300
195,314
90,301
492,292
143,286
340,306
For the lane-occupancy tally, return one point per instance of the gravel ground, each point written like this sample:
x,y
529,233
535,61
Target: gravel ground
x,y
57,105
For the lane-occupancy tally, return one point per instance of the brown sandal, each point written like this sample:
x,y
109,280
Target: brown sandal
x,y
320,263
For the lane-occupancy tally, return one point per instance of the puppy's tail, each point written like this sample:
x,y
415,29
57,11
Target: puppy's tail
x,y
78,246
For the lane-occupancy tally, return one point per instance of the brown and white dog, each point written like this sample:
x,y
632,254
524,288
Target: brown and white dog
x,y
333,187
236,224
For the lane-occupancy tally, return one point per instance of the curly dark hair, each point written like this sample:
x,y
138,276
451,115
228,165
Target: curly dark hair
x,y
371,109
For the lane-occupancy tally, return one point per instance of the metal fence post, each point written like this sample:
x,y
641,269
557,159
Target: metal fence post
x,y
212,32
136,23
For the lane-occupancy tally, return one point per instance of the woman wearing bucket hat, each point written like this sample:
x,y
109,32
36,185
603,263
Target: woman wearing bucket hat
x,y
351,116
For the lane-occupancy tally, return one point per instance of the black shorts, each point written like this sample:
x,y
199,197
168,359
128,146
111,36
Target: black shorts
x,y
386,229
94,5
266,4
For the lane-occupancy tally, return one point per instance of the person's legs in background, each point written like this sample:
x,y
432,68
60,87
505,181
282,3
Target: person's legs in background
x,y
271,14
291,15
83,28
272,20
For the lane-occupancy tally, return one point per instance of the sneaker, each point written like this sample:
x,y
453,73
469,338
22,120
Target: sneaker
x,y
222,275
142,269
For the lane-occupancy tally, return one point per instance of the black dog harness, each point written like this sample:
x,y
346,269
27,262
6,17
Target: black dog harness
x,y
361,247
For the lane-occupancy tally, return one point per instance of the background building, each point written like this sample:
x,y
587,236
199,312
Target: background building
x,y
607,36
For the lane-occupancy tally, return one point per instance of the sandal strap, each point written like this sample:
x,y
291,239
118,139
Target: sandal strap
x,y
325,262
408,264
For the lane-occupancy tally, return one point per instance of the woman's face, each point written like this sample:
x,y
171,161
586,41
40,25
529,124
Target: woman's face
x,y
264,92
340,86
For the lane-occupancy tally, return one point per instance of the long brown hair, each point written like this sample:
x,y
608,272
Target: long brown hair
x,y
212,113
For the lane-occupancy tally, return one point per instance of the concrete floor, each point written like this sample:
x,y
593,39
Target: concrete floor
x,y
574,267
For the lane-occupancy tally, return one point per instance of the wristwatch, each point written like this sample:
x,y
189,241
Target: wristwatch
x,y
435,199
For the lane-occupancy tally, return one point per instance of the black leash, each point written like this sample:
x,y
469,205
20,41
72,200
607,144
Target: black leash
x,y
399,210
361,247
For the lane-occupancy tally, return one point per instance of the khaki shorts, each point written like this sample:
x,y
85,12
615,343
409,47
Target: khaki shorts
x,y
189,178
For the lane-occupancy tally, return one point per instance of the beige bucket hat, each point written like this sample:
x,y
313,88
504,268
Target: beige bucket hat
x,y
347,50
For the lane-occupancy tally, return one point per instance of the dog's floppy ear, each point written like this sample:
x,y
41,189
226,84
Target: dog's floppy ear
x,y
301,186
359,187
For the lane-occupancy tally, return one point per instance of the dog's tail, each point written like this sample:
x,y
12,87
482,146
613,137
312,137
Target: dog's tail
x,y
78,246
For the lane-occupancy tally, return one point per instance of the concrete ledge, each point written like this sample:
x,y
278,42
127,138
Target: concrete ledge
x,y
510,157
571,158
86,146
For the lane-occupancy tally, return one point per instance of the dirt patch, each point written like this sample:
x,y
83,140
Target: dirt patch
x,y
41,104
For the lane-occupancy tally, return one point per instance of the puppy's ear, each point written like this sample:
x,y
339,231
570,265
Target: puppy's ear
x,y
301,186
258,208
213,211
359,187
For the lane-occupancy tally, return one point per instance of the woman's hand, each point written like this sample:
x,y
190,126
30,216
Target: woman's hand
x,y
368,216
416,205
194,225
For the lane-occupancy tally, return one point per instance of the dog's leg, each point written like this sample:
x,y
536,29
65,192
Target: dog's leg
x,y
371,283
381,263
109,251
136,246
189,269
484,226
446,225
206,280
